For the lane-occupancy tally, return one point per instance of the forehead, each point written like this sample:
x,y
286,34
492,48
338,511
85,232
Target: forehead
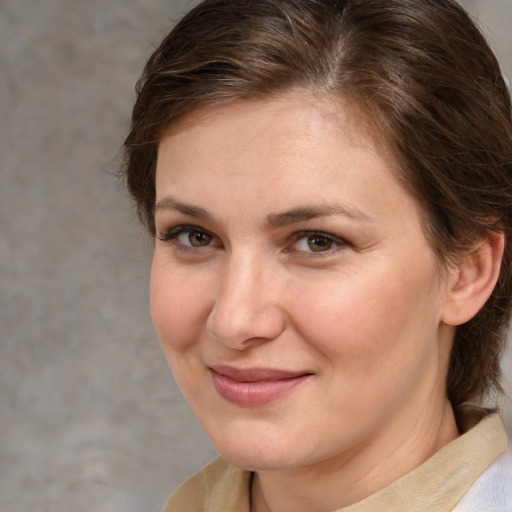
x,y
293,125
292,99
291,114
278,154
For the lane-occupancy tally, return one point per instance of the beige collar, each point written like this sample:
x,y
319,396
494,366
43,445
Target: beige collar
x,y
441,481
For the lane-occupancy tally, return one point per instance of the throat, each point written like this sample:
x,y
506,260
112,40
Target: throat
x,y
359,474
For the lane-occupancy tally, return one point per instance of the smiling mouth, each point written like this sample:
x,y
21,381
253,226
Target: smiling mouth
x,y
255,386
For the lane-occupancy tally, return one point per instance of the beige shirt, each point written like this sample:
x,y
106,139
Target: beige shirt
x,y
437,485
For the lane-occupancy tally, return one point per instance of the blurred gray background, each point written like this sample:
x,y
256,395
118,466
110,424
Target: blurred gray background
x,y
90,418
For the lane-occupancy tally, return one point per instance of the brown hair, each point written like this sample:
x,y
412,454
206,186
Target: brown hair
x,y
427,80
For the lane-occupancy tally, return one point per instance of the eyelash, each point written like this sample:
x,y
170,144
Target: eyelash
x,y
334,240
173,235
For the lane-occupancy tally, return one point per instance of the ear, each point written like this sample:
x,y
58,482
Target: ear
x,y
474,279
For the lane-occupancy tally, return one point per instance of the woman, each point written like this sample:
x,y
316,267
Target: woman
x,y
329,188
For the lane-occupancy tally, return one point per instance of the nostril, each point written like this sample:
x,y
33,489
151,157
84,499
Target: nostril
x,y
246,325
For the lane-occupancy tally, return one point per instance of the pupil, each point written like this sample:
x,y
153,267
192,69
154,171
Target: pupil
x,y
319,243
199,239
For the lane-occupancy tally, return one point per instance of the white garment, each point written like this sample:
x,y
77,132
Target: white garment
x,y
492,491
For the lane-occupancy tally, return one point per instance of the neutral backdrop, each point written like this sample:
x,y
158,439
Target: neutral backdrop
x,y
90,418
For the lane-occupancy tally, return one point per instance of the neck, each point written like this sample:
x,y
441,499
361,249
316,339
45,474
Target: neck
x,y
399,448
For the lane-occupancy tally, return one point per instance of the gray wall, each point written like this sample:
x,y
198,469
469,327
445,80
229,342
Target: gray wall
x,y
90,418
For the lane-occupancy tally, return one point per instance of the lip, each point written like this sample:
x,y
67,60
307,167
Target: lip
x,y
249,387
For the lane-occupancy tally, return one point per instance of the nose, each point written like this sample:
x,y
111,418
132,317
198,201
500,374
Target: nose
x,y
247,309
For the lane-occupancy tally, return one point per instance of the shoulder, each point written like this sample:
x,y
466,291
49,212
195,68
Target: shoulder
x,y
492,491
218,487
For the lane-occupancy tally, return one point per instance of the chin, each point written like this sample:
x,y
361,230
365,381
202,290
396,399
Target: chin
x,y
256,461
257,453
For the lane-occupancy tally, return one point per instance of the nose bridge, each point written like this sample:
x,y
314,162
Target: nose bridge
x,y
246,308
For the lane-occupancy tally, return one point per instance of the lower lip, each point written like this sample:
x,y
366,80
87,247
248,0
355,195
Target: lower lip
x,y
251,394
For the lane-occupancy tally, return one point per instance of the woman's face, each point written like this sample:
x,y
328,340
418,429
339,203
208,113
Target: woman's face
x,y
296,298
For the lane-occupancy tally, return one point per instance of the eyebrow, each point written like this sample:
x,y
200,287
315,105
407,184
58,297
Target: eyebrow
x,y
274,220
169,203
302,213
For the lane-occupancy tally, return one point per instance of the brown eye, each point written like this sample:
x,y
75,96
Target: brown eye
x,y
318,243
199,238
189,237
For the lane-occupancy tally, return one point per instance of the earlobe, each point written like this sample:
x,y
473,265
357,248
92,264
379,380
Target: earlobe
x,y
474,279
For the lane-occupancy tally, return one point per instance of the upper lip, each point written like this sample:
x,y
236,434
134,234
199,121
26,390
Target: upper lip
x,y
256,374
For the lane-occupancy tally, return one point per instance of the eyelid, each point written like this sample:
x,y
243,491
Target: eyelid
x,y
339,242
168,235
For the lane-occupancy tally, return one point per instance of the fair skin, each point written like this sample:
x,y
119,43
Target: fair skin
x,y
298,303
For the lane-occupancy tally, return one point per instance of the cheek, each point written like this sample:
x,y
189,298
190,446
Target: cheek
x,y
370,321
179,305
